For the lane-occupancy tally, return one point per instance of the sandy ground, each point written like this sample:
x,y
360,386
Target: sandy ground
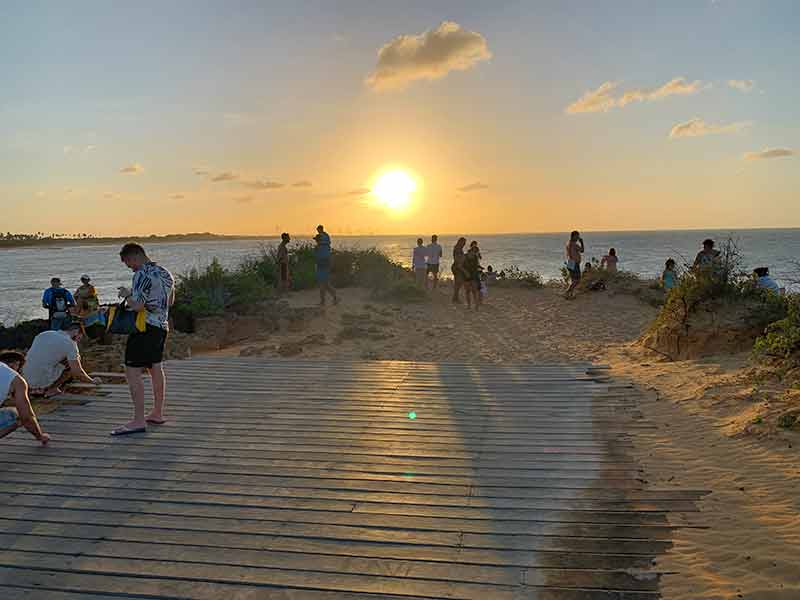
x,y
709,414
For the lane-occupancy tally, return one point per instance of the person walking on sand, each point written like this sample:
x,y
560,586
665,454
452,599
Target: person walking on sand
x,y
609,261
58,302
14,386
459,274
419,264
574,250
152,291
323,260
54,359
433,258
283,263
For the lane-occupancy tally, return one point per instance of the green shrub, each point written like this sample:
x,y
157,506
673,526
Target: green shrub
x,y
402,291
782,337
514,276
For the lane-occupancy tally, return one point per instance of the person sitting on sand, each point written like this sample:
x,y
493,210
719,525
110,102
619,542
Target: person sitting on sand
x,y
282,256
491,274
707,257
574,250
322,254
472,269
459,274
86,300
669,278
58,302
764,281
433,257
609,261
54,359
14,386
419,263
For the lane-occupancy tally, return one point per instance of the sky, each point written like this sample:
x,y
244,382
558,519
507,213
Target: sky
x,y
260,117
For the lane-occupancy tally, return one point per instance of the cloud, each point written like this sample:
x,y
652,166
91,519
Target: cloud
x,y
429,55
769,153
603,100
474,187
595,100
697,127
263,185
68,149
109,195
202,171
359,192
301,184
243,199
743,85
90,148
176,196
135,169
226,176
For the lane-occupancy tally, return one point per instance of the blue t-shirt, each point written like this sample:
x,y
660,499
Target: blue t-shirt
x,y
47,298
323,250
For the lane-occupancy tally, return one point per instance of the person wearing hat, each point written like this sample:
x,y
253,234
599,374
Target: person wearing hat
x,y
58,302
86,296
54,359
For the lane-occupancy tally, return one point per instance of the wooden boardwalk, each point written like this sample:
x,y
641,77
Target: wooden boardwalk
x,y
339,480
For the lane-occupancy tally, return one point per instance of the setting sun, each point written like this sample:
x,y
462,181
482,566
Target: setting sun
x,y
393,190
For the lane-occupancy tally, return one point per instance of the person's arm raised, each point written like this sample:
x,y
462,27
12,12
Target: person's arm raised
x,y
26,415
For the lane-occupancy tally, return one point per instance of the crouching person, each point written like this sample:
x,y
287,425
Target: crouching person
x,y
12,385
54,359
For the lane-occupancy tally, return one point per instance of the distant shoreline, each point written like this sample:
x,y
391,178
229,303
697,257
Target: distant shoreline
x,y
150,239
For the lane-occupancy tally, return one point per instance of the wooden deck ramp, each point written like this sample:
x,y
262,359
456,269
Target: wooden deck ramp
x,y
340,480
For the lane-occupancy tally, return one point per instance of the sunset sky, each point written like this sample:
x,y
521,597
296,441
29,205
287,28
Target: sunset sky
x,y
257,117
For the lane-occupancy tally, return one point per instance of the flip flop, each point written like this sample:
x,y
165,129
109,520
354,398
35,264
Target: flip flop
x,y
125,430
156,421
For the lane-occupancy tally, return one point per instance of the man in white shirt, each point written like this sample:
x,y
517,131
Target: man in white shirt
x,y
434,256
13,385
54,359
418,263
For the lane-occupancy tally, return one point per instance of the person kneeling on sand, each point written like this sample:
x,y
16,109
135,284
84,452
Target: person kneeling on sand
x,y
54,359
764,281
14,386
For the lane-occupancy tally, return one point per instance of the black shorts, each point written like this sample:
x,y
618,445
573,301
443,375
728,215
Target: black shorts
x,y
433,268
145,349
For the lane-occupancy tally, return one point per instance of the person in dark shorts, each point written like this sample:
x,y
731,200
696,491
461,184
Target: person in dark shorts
x,y
322,255
283,263
459,275
433,258
153,291
574,250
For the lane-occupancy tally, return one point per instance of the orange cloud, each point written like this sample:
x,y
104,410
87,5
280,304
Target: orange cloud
x,y
134,169
697,127
603,100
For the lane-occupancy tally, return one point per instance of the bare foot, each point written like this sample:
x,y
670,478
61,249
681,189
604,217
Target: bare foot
x,y
155,419
44,439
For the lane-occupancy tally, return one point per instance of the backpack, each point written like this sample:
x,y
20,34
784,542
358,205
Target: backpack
x,y
58,302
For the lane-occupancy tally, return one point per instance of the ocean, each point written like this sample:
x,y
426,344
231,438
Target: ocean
x,y
26,272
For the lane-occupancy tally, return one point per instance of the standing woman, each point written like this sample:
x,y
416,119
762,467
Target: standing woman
x,y
609,261
458,267
472,267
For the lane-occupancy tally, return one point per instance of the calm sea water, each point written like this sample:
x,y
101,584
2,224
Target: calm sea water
x,y
26,272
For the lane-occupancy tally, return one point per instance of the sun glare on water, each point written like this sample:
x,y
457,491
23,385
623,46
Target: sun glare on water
x,y
393,190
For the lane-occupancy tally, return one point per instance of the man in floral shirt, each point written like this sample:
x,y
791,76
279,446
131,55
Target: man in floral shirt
x,y
153,291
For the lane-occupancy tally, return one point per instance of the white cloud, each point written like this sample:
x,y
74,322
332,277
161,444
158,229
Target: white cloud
x,y
68,149
135,169
428,55
743,85
603,100
769,153
474,187
226,176
697,127
90,148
